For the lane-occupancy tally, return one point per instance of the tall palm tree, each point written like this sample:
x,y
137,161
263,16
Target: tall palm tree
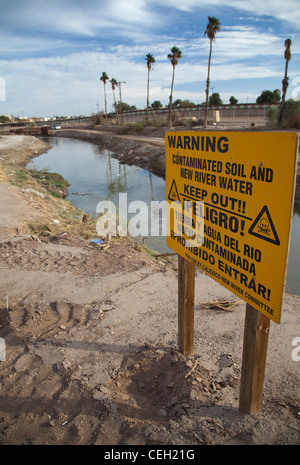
x,y
173,57
150,60
211,29
285,81
104,78
114,83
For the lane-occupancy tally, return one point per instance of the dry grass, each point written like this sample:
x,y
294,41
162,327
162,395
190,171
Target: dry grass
x,y
221,304
44,193
61,217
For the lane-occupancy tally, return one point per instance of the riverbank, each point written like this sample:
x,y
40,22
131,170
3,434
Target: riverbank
x,y
146,151
91,339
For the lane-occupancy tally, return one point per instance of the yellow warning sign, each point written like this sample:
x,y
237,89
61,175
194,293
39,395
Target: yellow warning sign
x,y
230,198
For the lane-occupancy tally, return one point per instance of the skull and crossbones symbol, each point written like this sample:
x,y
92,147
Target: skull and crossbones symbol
x,y
263,226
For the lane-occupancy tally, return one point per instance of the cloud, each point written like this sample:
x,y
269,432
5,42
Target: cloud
x,y
246,43
288,11
63,84
76,17
53,51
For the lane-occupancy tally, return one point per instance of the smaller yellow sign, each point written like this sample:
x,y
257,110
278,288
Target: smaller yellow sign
x,y
230,198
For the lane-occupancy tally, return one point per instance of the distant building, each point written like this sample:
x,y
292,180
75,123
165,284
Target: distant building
x,y
11,117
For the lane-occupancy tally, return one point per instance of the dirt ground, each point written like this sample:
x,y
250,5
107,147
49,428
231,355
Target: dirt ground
x,y
91,345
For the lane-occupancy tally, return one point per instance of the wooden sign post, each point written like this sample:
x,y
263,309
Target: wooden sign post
x,y
256,335
186,297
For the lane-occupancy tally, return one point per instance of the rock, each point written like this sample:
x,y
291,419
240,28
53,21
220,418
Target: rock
x,y
173,401
162,413
102,393
193,394
185,405
213,387
105,390
49,355
97,395
226,360
174,424
21,363
149,430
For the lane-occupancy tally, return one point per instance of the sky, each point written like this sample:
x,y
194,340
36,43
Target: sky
x,y
53,52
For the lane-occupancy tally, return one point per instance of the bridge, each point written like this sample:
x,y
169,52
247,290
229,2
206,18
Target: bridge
x,y
31,131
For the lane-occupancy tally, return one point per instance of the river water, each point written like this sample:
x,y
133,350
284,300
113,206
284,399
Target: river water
x,y
95,175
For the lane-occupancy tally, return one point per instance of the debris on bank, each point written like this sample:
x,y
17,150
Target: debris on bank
x,y
221,304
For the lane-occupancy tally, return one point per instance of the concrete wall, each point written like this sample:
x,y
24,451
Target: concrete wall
x,y
228,114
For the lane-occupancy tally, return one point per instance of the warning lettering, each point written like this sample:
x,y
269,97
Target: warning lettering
x,y
232,216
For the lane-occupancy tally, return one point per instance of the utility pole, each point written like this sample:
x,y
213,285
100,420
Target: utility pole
x,y
121,109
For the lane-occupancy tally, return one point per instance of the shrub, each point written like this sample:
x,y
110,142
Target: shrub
x,y
97,118
126,129
291,114
139,126
273,115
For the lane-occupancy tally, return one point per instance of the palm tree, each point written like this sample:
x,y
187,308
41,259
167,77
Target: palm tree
x,y
114,83
104,78
150,60
211,29
173,57
285,81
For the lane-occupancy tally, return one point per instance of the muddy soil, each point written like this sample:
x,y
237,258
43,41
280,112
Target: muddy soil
x,y
91,347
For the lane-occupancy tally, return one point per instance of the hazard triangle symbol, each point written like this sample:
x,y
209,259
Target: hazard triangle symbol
x,y
263,227
173,193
